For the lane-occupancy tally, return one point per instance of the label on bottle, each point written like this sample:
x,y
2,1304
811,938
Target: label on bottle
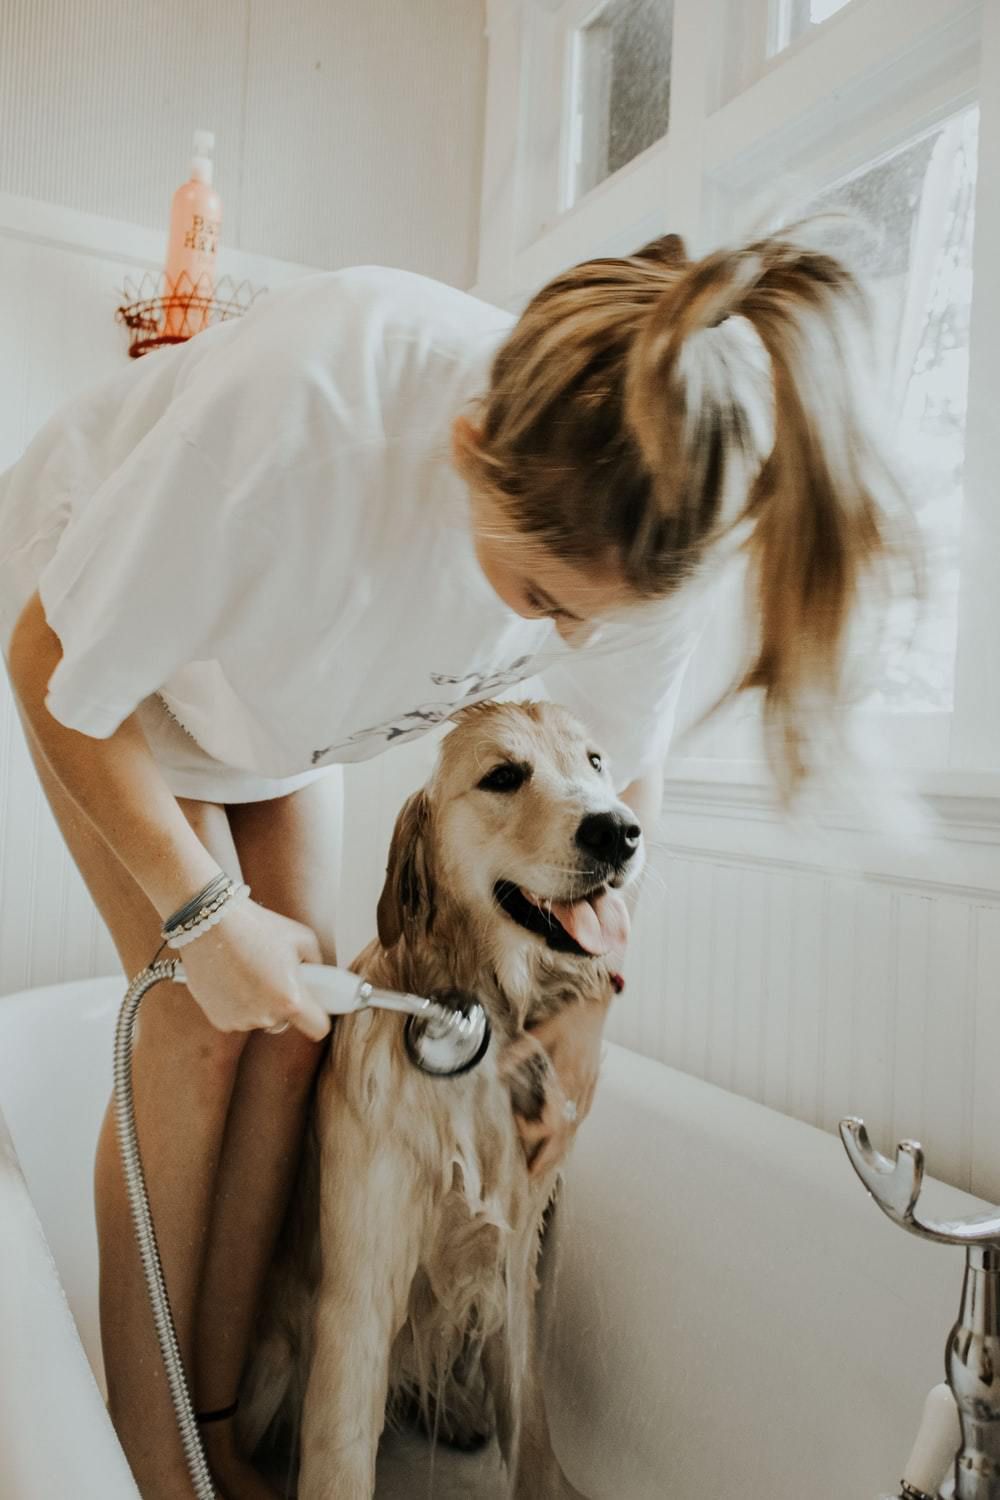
x,y
202,235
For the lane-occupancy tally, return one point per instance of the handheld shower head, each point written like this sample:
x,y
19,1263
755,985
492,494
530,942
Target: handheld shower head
x,y
445,1034
452,1037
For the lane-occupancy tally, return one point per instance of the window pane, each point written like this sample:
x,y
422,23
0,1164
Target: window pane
x,y
623,87
919,204
792,18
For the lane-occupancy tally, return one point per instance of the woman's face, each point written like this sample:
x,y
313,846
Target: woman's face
x,y
538,585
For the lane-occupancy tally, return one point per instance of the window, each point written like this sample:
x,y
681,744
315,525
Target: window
x,y
918,204
622,87
791,19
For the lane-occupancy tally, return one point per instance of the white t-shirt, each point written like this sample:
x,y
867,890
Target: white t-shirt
x,y
263,525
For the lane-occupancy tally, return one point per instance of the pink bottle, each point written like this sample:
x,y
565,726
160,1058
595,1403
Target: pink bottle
x,y
195,221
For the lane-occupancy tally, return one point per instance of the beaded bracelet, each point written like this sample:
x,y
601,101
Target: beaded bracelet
x,y
203,911
191,908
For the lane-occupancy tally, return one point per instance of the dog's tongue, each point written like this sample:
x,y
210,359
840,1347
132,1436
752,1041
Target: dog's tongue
x,y
598,923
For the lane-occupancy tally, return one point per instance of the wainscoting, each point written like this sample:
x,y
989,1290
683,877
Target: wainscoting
x,y
823,978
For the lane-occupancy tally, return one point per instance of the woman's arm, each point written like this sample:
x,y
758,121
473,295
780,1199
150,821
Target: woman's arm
x,y
115,782
645,797
243,971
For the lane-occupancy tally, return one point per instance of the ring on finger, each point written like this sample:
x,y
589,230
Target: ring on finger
x,y
570,1111
278,1029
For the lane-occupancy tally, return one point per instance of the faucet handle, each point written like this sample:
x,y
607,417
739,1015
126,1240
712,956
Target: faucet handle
x,y
895,1186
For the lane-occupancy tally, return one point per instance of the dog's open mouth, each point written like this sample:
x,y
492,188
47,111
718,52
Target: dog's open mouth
x,y
591,926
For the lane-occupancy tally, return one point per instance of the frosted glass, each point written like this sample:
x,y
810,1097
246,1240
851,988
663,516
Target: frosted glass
x,y
792,18
623,86
917,257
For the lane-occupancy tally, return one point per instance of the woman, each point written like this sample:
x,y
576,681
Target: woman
x,y
310,535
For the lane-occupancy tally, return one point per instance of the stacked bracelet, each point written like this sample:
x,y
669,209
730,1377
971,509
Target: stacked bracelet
x,y
203,911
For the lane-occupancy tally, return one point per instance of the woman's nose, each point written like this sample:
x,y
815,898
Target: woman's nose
x,y
577,633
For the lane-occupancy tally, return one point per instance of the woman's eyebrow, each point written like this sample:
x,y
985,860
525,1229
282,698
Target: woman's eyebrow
x,y
544,597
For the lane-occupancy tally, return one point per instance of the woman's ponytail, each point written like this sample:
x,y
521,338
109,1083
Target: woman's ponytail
x,y
644,406
792,454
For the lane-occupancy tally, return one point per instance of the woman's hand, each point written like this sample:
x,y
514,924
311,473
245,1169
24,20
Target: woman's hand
x,y
552,1073
244,972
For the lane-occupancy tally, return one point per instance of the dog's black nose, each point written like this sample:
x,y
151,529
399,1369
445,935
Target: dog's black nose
x,y
609,837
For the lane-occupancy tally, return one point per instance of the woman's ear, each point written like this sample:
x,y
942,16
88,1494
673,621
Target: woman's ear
x,y
465,436
407,898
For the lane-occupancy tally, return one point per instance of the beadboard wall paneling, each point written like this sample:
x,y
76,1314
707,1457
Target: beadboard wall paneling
x,y
345,132
364,133
826,992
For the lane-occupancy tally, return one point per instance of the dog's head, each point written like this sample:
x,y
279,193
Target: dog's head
x,y
520,837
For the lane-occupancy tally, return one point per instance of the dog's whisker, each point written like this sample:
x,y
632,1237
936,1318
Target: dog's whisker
x,y
650,873
656,879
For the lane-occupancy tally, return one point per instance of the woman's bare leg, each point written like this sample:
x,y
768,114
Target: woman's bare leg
x,y
184,1074
289,851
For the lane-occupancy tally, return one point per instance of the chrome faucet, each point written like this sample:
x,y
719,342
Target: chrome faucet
x,y
972,1355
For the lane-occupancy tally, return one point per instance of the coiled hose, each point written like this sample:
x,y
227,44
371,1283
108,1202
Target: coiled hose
x,y
443,1037
135,1183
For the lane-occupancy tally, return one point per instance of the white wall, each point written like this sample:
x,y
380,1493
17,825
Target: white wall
x,y
347,131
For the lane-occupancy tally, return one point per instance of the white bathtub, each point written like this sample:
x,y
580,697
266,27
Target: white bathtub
x,y
735,1321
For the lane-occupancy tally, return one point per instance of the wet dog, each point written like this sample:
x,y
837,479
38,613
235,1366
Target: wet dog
x,y
406,1279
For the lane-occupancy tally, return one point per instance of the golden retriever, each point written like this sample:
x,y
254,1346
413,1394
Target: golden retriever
x,y
406,1279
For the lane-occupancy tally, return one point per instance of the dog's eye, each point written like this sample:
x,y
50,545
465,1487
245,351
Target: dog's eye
x,y
504,778
595,760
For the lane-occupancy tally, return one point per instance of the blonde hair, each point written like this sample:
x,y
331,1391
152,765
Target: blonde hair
x,y
623,426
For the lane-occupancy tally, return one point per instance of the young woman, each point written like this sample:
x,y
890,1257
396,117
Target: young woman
x,y
308,536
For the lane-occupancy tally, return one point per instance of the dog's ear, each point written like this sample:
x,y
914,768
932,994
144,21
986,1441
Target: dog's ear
x,y
407,899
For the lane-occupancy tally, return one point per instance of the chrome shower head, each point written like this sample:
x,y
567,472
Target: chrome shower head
x,y
445,1034
451,1037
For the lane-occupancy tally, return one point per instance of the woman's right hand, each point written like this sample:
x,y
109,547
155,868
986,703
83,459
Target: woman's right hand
x,y
244,972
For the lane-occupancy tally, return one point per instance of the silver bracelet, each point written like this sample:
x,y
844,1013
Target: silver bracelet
x,y
189,911
197,919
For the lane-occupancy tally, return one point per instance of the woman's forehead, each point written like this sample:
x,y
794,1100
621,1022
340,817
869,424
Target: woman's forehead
x,y
585,589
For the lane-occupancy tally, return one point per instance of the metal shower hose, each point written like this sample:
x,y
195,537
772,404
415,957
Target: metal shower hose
x,y
135,1182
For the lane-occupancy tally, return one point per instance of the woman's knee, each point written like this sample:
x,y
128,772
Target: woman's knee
x,y
291,1057
173,1028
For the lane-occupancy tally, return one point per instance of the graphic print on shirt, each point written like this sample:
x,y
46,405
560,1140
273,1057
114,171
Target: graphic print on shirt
x,y
417,721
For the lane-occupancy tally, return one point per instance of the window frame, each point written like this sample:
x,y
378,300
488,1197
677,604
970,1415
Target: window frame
x,y
574,18
740,119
